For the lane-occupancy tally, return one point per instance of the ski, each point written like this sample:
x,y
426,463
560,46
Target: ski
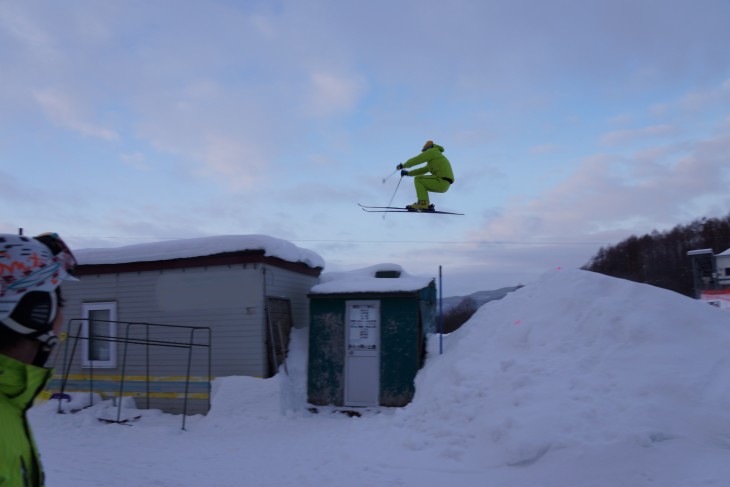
x,y
437,212
396,209
382,207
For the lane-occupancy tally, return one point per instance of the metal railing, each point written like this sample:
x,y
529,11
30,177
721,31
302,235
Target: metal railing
x,y
192,332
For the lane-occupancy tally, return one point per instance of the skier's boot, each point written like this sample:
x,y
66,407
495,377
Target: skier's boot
x,y
420,205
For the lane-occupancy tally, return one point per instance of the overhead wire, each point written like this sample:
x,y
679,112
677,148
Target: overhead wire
x,y
440,242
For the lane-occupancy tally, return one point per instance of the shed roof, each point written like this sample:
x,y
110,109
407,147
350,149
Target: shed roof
x,y
699,252
199,247
365,280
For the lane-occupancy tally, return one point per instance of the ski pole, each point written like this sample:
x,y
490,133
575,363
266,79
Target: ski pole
x,y
390,203
388,177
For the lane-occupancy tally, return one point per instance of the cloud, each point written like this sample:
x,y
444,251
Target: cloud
x,y
64,112
622,119
617,195
9,187
625,137
545,149
21,26
239,164
331,94
659,110
136,160
698,100
264,27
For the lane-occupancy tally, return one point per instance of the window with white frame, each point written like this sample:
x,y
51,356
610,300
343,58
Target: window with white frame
x,y
99,331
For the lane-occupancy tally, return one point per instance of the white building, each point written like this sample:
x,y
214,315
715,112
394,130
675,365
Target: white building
x,y
157,321
711,276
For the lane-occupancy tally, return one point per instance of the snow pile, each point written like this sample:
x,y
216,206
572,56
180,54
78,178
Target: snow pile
x,y
478,298
575,360
199,247
577,380
365,280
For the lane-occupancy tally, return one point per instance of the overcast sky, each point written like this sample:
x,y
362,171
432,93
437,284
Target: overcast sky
x,y
570,124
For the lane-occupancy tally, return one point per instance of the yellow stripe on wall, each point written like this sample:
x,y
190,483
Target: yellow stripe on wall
x,y
142,378
163,395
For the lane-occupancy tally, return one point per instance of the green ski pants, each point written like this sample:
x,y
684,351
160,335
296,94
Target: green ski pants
x,y
426,184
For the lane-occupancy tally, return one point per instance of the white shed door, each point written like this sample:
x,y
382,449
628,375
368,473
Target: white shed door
x,y
362,361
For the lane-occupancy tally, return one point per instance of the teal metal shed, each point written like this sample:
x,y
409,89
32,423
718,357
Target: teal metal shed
x,y
367,336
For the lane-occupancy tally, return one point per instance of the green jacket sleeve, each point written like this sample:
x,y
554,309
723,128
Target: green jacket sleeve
x,y
419,159
419,171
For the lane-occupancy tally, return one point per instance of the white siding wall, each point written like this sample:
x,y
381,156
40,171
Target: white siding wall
x,y
229,299
293,286
722,262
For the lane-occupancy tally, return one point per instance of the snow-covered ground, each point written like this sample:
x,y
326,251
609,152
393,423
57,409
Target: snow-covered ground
x,y
577,380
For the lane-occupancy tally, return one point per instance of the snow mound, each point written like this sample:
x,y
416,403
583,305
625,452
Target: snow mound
x,y
576,359
578,380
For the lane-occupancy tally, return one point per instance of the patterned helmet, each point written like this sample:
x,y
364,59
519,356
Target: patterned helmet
x,y
30,271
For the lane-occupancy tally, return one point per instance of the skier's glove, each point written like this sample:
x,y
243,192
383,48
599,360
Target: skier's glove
x,y
399,166
403,173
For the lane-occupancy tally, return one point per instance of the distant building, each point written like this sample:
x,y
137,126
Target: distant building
x,y
711,274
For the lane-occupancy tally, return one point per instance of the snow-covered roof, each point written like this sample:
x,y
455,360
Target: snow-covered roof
x,y
365,281
199,247
699,252
727,252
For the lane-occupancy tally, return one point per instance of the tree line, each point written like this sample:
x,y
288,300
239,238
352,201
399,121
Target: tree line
x,y
660,258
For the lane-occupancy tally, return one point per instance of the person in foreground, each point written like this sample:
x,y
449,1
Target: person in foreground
x,y
31,272
435,177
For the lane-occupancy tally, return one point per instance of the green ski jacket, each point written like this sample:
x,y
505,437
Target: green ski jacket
x,y
20,383
436,164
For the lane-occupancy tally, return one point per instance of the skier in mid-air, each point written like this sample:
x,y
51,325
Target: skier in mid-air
x,y
435,177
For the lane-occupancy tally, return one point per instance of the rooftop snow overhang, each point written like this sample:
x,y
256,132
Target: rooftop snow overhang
x,y
699,252
379,280
199,252
364,295
227,258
